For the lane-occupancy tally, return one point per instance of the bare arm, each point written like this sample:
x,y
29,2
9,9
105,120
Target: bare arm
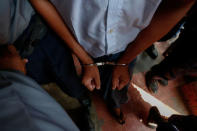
x,y
91,78
51,15
168,14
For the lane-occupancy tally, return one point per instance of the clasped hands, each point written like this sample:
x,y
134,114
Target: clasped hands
x,y
91,77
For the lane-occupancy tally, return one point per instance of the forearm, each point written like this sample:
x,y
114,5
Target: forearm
x,y
52,17
168,14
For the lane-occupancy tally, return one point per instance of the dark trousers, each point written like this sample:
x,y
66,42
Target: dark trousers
x,y
178,123
51,61
113,98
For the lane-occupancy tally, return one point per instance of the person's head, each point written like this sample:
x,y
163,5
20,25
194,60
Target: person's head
x,y
10,59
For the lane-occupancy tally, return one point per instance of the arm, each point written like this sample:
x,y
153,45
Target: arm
x,y
52,17
167,15
91,77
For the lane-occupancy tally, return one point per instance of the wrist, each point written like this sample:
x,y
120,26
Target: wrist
x,y
82,60
121,61
87,62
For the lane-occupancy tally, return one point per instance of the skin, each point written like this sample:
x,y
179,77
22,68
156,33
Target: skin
x,y
12,60
165,18
91,77
167,15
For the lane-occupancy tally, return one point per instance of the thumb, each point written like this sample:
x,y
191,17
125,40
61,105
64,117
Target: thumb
x,y
97,83
89,84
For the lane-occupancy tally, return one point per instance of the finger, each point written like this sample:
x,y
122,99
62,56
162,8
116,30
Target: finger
x,y
115,83
90,87
97,83
93,84
122,84
88,84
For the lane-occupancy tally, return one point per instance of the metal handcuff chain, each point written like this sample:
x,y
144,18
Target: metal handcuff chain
x,y
105,63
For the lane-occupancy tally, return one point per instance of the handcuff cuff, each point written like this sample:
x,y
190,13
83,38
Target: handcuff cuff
x,y
105,63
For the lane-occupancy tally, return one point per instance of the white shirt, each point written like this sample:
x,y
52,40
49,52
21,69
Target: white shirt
x,y
106,27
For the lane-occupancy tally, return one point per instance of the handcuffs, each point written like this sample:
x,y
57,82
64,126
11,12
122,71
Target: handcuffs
x,y
105,63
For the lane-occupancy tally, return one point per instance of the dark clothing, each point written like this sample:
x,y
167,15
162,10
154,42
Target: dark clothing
x,y
113,97
35,32
179,123
52,61
183,57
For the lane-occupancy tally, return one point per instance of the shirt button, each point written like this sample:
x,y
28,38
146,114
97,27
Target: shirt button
x,y
111,30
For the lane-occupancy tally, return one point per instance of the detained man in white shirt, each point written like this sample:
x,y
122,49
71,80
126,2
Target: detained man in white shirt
x,y
111,34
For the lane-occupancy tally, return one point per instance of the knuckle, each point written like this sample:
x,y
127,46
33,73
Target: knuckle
x,y
85,83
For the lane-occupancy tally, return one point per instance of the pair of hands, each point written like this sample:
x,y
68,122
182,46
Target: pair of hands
x,y
91,77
